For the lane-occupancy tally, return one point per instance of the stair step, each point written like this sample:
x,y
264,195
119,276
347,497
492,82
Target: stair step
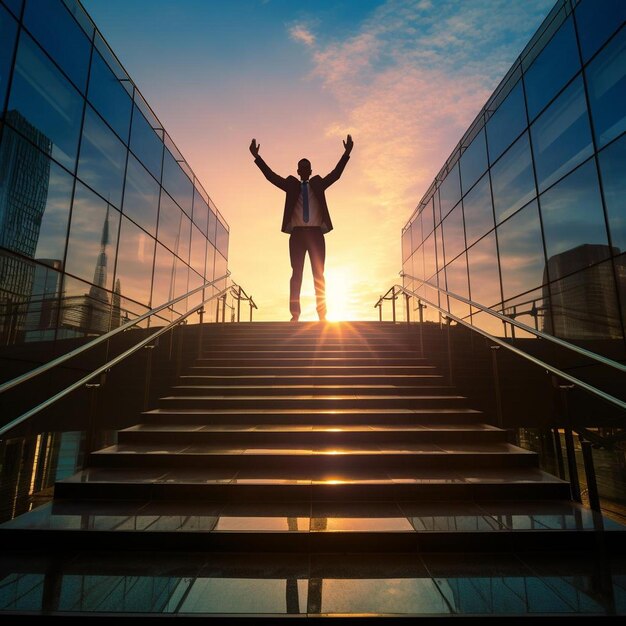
x,y
254,434
353,401
398,380
317,526
308,390
334,417
309,370
314,360
325,458
221,484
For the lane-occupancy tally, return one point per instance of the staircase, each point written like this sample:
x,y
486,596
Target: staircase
x,y
309,469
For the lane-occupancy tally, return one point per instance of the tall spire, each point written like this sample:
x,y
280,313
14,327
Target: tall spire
x,y
98,287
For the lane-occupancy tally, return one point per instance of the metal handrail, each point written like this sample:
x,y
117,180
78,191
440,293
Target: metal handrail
x,y
572,379
10,384
529,329
119,358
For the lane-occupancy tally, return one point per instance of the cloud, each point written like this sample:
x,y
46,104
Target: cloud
x,y
411,80
299,32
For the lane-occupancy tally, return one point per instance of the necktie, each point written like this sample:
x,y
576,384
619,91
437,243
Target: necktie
x,y
305,201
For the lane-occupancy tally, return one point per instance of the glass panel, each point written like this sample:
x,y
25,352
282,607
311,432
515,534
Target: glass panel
x,y
416,233
170,218
561,136
612,168
456,279
528,309
141,196
145,143
406,244
65,41
177,183
200,212
135,256
164,271
512,179
46,106
450,191
596,21
221,239
210,262
554,66
417,264
522,261
221,265
573,221
584,305
478,211
439,246
474,161
42,315
180,283
430,266
109,97
35,196
198,250
195,281
483,270
76,9
85,309
185,237
506,123
28,299
212,226
102,159
93,238
606,81
15,6
437,207
453,236
428,220
8,30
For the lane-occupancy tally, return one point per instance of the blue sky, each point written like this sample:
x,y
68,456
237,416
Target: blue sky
x,y
404,77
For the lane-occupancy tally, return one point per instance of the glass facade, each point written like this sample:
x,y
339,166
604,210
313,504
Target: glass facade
x,y
101,218
529,211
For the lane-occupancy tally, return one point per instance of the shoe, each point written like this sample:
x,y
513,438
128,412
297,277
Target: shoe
x,y
294,318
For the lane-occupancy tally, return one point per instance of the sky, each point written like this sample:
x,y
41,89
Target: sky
x,y
404,77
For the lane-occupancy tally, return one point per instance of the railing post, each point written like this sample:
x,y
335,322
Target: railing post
x,y
393,304
179,349
420,308
217,310
224,308
569,444
90,438
148,377
251,307
380,310
450,376
496,384
559,453
590,474
408,307
239,306
200,331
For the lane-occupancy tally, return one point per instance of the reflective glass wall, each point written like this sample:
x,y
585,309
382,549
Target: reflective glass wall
x,y
101,218
528,216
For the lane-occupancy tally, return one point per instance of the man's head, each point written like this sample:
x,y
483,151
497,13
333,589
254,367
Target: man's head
x,y
304,169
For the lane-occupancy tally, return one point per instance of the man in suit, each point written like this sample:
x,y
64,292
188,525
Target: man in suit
x,y
306,219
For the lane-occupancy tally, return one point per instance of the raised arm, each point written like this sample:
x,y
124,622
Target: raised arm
x,y
274,178
333,177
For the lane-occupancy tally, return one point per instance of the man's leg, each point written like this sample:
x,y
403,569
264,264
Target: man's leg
x,y
297,250
317,254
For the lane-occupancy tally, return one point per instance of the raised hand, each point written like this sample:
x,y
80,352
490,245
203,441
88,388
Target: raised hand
x,y
254,148
348,144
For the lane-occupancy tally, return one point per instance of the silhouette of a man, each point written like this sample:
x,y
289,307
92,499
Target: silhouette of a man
x,y
306,219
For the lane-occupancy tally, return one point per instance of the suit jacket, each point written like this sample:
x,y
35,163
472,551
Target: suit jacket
x,y
291,185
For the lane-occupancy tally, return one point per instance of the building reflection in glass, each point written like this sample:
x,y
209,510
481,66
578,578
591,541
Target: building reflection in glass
x,y
549,211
